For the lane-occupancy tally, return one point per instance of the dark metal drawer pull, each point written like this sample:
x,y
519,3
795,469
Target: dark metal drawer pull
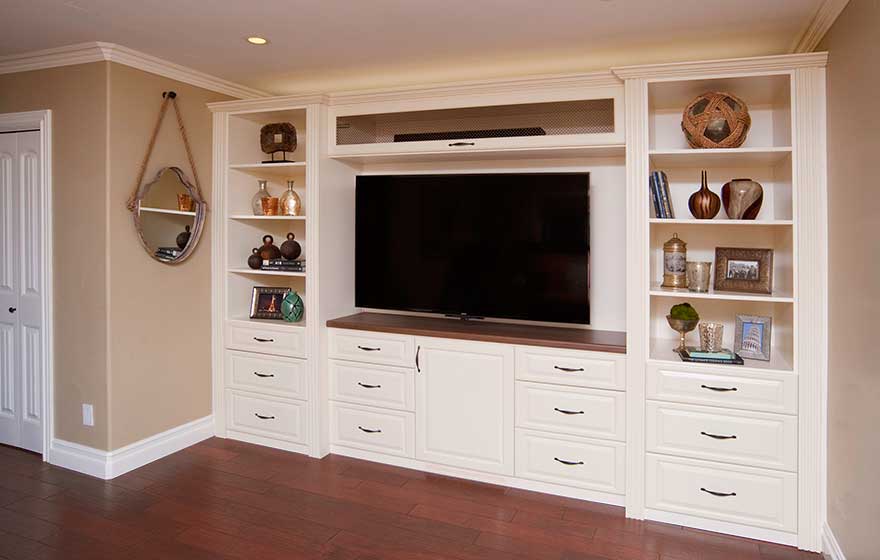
x,y
721,389
719,494
461,144
365,386
568,369
369,431
369,349
563,411
261,417
264,339
569,463
258,374
716,436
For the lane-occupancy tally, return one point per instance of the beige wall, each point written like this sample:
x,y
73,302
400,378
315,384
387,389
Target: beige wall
x,y
160,315
77,96
854,275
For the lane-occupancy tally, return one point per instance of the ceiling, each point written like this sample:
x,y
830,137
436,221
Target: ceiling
x,y
327,45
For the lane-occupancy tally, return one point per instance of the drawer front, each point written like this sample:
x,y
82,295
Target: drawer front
x,y
256,372
724,492
267,339
747,438
268,416
383,431
764,391
385,386
570,367
579,412
371,347
594,464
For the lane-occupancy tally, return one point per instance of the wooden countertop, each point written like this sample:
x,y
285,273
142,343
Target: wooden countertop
x,y
505,333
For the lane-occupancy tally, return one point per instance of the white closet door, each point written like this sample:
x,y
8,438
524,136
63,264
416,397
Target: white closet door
x,y
21,291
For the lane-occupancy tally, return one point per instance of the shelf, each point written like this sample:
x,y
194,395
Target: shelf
x,y
268,322
267,272
719,157
657,291
166,211
614,150
270,218
719,222
289,169
662,352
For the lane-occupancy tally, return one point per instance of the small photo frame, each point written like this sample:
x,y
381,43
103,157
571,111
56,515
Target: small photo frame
x,y
266,302
744,270
752,337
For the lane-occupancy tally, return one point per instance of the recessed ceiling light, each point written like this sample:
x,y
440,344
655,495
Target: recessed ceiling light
x,y
257,40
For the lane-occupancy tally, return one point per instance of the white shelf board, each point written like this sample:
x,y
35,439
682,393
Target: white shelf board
x,y
719,222
267,272
166,211
776,297
662,352
285,169
719,157
614,150
270,218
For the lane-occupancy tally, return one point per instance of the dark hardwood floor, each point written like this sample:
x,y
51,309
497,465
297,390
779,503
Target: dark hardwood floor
x,y
223,499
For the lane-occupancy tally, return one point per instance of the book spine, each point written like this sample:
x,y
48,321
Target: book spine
x,y
664,181
652,185
664,201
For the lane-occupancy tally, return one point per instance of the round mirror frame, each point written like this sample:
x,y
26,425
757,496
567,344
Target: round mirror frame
x,y
201,210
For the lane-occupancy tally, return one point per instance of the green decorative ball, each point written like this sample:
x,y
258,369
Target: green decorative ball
x,y
292,307
684,312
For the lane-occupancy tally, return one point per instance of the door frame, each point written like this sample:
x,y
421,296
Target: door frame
x,y
42,121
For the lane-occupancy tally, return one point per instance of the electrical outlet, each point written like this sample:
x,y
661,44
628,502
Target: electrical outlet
x,y
88,415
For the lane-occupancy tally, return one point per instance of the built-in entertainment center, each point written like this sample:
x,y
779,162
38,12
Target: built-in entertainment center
x,y
530,202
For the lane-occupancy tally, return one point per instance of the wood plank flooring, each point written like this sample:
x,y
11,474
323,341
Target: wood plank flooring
x,y
223,499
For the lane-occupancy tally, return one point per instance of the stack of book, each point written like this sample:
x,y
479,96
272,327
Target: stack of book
x,y
284,265
168,253
660,195
725,356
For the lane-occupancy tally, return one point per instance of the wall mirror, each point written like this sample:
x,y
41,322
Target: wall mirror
x,y
169,215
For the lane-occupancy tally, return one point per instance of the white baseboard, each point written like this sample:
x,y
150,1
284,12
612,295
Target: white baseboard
x,y
830,546
110,464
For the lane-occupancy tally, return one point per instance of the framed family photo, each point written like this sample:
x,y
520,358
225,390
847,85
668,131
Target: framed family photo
x,y
266,302
752,337
744,270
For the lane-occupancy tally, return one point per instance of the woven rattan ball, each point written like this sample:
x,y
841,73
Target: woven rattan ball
x,y
716,120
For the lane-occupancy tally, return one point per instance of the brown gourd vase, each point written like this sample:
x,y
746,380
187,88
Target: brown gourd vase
x,y
704,204
269,250
742,199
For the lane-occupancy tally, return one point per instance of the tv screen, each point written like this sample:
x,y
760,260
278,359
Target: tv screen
x,y
512,246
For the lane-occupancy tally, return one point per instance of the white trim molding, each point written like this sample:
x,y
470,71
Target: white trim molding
x,y
825,16
732,66
84,53
830,546
110,464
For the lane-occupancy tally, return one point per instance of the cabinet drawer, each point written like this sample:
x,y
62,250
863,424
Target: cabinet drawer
x,y
575,411
267,416
767,391
748,438
725,492
384,431
257,372
268,339
372,347
570,367
384,386
595,464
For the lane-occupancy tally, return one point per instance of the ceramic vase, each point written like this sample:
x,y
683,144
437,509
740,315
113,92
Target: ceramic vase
x,y
704,204
291,249
269,251
255,261
742,199
290,204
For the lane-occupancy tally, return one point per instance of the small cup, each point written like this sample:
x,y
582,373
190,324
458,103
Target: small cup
x,y
184,203
711,335
270,205
698,276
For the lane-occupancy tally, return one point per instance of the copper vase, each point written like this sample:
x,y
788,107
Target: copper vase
x,y
704,204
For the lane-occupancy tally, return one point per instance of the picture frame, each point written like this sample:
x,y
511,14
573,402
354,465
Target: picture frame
x,y
752,337
744,270
266,302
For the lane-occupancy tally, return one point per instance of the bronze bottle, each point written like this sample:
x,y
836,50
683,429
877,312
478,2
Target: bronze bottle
x,y
704,204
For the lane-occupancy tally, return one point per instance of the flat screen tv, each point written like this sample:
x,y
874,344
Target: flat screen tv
x,y
513,245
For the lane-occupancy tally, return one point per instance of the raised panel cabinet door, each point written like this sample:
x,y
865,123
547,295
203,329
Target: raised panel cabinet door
x,y
464,404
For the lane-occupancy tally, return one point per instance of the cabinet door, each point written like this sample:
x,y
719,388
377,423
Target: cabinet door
x,y
464,404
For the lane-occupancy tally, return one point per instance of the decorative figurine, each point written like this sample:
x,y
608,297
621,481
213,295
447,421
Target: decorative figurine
x,y
278,137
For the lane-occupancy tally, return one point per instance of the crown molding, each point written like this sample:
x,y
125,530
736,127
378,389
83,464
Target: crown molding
x,y
730,66
84,53
825,16
275,103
